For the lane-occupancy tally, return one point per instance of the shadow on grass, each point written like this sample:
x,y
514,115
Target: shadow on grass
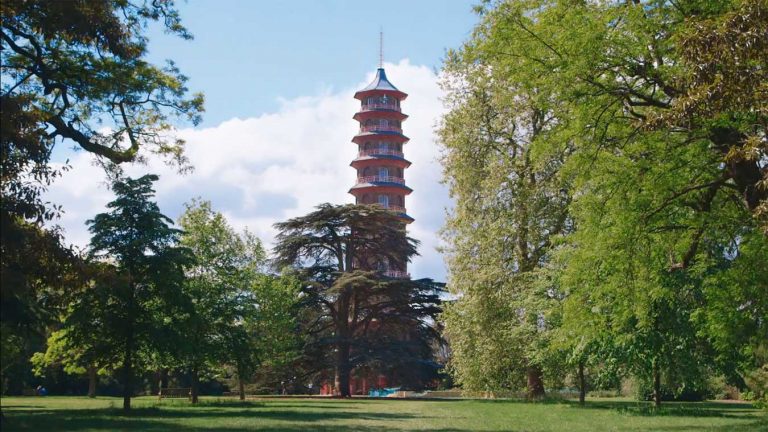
x,y
222,403
675,409
167,419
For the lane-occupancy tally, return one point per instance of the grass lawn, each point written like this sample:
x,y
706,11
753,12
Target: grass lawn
x,y
286,414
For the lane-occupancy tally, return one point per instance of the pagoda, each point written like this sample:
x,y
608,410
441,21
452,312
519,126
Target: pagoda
x,y
380,162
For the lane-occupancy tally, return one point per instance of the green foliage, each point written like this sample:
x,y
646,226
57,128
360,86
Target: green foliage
x,y
217,299
37,276
58,351
757,377
509,209
235,314
275,326
660,109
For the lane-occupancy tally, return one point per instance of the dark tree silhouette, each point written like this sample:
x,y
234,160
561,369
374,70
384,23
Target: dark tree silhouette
x,y
335,250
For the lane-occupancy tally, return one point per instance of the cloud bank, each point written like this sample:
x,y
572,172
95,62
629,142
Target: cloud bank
x,y
265,169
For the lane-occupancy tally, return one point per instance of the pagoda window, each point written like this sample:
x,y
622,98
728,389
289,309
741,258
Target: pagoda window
x,y
384,200
383,172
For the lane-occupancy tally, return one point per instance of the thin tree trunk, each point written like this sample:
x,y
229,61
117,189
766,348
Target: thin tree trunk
x,y
129,341
195,385
128,374
656,384
92,381
582,384
535,382
162,377
241,382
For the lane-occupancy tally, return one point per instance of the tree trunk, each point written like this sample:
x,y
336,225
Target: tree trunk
x,y
128,374
656,385
342,344
162,378
535,382
342,369
582,384
92,381
241,382
129,341
195,385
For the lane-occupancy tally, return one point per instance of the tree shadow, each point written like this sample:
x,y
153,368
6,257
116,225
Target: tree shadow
x,y
675,409
223,403
157,419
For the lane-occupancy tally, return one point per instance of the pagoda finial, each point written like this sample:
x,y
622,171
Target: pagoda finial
x,y
381,47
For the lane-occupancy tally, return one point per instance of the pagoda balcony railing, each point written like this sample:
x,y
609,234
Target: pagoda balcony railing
x,y
375,106
375,179
392,207
395,208
380,128
397,274
380,152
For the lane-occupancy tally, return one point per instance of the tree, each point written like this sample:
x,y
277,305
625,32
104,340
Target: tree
x,y
219,289
145,291
509,209
336,249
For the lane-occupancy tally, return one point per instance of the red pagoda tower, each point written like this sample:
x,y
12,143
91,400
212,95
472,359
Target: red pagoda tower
x,y
380,162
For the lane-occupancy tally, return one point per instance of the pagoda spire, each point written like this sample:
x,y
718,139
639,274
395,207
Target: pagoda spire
x,y
381,48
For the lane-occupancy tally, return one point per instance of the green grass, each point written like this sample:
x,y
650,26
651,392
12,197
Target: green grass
x,y
288,414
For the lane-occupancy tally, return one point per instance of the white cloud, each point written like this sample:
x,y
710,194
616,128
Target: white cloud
x,y
262,170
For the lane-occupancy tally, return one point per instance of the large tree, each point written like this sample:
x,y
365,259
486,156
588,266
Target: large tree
x,y
664,105
145,292
509,208
336,250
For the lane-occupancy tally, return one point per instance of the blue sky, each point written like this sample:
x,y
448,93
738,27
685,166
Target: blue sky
x,y
248,54
276,137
